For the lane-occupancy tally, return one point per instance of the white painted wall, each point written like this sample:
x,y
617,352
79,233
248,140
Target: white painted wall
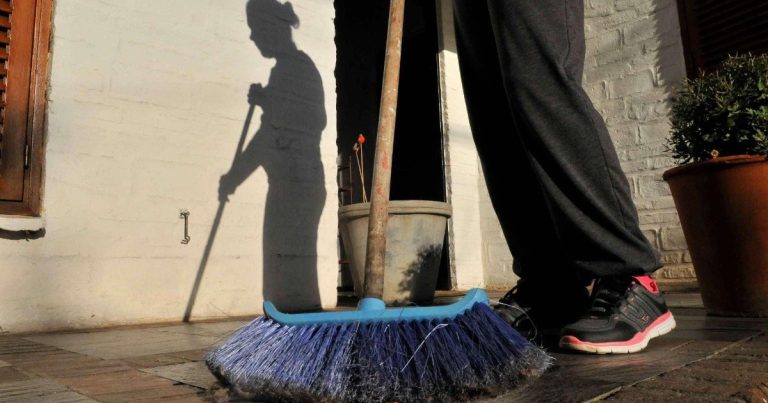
x,y
147,103
461,162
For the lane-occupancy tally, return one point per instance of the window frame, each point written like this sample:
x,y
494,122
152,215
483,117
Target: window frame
x,y
690,36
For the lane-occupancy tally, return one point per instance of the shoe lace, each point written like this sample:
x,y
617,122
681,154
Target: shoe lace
x,y
608,294
518,316
521,294
510,295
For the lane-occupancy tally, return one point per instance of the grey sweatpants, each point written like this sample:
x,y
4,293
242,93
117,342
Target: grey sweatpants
x,y
552,172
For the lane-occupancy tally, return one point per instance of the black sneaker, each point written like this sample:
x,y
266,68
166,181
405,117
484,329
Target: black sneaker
x,y
626,313
515,308
536,312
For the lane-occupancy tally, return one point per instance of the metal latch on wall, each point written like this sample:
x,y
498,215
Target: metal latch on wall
x,y
184,213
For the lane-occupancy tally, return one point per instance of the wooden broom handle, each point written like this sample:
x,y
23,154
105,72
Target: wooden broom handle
x,y
382,164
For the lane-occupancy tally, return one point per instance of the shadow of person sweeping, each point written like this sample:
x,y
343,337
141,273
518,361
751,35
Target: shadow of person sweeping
x,y
287,146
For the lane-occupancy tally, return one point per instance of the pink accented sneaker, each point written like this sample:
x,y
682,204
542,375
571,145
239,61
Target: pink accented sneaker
x,y
626,313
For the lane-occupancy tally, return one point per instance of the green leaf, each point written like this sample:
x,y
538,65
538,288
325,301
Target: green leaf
x,y
726,109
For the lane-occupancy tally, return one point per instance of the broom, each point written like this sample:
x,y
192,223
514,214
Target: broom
x,y
439,353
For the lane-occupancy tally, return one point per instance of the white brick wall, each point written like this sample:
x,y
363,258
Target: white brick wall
x,y
461,164
634,61
497,260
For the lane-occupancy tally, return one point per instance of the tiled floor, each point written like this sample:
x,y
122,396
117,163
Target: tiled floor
x,y
704,359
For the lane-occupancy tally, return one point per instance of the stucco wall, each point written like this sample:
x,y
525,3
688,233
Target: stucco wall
x,y
147,104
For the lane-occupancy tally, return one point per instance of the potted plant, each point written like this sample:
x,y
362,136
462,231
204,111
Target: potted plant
x,y
415,235
719,137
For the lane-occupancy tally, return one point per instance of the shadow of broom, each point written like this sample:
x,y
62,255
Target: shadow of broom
x,y
216,222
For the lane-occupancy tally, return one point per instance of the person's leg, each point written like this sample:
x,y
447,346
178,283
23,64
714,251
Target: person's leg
x,y
547,279
517,194
541,48
583,195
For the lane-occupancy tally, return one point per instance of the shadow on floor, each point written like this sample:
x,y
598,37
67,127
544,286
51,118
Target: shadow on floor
x,y
705,358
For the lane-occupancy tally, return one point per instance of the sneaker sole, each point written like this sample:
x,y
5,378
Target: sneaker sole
x,y
661,326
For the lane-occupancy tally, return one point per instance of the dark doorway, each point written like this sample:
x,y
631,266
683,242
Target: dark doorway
x,y
417,167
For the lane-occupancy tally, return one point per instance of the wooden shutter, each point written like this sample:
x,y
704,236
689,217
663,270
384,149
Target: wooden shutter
x,y
16,28
713,29
24,30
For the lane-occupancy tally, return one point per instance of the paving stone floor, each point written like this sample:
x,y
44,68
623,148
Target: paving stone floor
x,y
704,359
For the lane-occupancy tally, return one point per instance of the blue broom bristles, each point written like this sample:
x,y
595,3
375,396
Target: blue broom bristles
x,y
474,354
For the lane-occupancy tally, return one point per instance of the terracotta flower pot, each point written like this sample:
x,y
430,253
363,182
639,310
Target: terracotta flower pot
x,y
723,208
